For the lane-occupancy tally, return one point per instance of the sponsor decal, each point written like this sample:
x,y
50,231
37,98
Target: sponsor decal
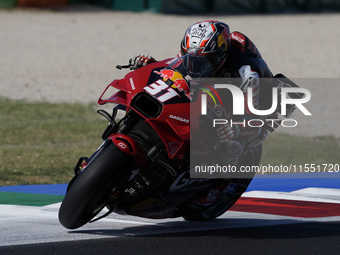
x,y
132,84
179,82
238,37
122,145
199,30
178,118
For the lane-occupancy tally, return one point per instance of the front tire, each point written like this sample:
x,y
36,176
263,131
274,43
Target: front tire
x,y
89,194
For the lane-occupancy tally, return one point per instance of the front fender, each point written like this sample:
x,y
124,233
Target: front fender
x,y
129,146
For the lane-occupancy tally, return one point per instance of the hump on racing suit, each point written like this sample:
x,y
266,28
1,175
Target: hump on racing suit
x,y
244,52
246,62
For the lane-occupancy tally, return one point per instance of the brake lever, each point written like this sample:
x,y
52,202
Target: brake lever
x,y
121,67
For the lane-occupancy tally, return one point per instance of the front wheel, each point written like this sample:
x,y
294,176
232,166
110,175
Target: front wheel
x,y
89,194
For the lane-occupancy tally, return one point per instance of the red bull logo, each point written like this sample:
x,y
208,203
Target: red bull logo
x,y
178,81
182,85
166,74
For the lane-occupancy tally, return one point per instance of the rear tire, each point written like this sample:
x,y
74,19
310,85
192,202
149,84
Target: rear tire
x,y
89,194
252,158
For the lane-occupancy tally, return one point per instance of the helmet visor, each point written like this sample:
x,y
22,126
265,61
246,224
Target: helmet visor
x,y
195,65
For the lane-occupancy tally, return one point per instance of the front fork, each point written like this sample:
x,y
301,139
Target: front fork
x,y
113,129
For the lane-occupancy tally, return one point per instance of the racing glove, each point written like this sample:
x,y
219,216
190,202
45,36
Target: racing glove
x,y
226,132
141,60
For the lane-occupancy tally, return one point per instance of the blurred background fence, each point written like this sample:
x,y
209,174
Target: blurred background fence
x,y
192,6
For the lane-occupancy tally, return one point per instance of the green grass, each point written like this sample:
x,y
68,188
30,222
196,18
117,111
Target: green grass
x,y
283,149
41,142
16,198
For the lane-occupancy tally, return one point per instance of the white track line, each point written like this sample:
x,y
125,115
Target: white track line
x,y
31,224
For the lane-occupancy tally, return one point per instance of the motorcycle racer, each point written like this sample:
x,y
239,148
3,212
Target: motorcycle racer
x,y
232,55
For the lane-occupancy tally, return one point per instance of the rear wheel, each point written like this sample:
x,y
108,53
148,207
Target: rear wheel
x,y
89,194
237,186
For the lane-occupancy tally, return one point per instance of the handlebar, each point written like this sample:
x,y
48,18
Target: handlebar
x,y
124,66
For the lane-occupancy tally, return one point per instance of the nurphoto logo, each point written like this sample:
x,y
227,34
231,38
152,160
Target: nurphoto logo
x,y
239,102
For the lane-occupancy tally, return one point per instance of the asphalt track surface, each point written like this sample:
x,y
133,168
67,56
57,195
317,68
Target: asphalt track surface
x,y
295,219
303,238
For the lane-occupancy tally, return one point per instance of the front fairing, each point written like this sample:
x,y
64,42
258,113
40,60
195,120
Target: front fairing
x,y
167,82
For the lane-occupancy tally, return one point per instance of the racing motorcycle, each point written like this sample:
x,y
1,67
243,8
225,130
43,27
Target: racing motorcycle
x,y
142,166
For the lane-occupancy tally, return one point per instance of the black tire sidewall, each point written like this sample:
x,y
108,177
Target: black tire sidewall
x,y
99,177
